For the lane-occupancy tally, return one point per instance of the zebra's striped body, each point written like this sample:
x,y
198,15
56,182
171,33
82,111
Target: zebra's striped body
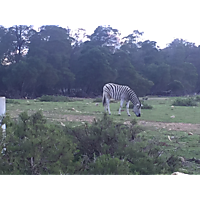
x,y
123,93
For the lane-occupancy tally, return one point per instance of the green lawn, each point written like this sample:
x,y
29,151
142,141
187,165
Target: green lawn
x,y
161,111
181,145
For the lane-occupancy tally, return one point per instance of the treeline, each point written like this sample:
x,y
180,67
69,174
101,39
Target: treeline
x,y
56,60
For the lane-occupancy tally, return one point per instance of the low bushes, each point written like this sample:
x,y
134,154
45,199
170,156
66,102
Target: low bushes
x,y
197,98
54,98
12,101
184,102
35,147
97,100
144,105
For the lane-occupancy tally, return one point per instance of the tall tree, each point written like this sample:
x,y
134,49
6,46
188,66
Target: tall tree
x,y
127,74
18,38
159,75
105,36
93,69
52,44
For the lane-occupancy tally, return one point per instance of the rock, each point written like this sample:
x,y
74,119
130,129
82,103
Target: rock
x,y
62,124
182,159
178,173
190,133
169,138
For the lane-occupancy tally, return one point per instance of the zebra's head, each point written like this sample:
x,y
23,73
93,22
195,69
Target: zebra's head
x,y
137,109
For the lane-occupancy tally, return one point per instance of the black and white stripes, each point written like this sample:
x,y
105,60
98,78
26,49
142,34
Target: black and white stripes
x,y
123,93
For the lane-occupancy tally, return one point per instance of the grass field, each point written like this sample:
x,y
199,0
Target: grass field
x,y
171,132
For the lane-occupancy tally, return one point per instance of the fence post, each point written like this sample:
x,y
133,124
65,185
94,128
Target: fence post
x,y
2,112
3,126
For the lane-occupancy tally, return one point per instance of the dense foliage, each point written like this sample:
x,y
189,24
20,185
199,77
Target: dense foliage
x,y
55,60
184,102
32,146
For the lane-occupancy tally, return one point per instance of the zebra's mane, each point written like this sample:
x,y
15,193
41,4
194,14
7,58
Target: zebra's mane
x,y
133,97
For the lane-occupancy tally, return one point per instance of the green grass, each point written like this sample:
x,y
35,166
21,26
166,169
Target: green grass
x,y
181,145
161,111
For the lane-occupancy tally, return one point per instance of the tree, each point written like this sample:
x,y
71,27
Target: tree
x,y
159,75
17,38
93,69
52,45
105,36
176,87
127,75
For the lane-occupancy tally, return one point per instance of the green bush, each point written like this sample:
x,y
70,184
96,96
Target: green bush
x,y
97,100
107,165
102,137
197,98
34,147
184,102
52,98
104,147
12,101
144,106
105,137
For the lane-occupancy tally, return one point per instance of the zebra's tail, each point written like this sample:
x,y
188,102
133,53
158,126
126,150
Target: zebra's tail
x,y
104,99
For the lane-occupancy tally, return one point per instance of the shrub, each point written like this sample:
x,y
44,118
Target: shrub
x,y
104,147
102,137
48,98
107,165
197,98
12,101
34,147
144,106
184,102
97,100
120,142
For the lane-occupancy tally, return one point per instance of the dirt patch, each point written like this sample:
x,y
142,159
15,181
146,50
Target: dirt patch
x,y
76,118
157,98
158,125
171,126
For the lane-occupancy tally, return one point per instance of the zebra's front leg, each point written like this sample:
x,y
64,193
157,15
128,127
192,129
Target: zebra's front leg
x,y
127,108
121,105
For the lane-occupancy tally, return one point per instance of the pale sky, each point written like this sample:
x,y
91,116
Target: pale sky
x,y
162,34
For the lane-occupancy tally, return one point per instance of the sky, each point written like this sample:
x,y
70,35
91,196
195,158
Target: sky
x,y
162,34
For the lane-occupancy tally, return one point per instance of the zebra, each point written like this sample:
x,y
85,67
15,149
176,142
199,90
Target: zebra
x,y
123,93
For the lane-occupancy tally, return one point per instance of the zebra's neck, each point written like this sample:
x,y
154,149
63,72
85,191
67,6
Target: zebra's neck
x,y
133,97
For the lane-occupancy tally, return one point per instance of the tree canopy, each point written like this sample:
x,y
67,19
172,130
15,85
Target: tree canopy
x,y
56,60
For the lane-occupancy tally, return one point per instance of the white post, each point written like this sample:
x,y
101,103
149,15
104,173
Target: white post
x,y
2,112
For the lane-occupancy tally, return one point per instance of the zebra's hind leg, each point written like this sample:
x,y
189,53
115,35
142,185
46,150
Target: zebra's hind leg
x,y
121,105
108,106
127,108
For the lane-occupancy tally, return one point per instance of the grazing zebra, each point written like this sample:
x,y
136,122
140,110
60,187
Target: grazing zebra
x,y
123,93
